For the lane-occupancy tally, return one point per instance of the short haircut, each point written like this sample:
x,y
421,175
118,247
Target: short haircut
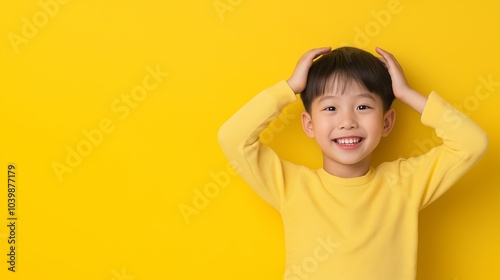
x,y
345,65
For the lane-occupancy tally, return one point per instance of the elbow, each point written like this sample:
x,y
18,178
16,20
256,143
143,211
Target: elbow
x,y
228,140
221,134
480,146
484,142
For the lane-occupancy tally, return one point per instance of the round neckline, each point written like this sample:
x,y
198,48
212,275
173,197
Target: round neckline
x,y
346,182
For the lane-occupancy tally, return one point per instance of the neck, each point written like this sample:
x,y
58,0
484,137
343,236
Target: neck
x,y
347,170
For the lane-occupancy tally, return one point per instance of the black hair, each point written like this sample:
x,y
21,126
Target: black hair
x,y
345,65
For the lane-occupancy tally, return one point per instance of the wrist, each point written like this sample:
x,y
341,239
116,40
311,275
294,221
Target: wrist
x,y
413,99
293,86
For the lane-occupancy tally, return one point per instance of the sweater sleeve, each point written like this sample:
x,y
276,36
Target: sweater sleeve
x,y
464,143
238,137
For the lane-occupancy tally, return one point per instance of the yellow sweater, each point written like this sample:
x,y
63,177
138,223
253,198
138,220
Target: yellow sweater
x,y
362,228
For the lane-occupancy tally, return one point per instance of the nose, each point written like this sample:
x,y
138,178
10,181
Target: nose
x,y
347,121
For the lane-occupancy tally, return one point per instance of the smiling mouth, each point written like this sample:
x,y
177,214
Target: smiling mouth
x,y
348,140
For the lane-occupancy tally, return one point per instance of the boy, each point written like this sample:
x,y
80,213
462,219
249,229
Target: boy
x,y
349,220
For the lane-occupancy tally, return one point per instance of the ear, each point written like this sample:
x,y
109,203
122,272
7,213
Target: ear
x,y
307,124
389,119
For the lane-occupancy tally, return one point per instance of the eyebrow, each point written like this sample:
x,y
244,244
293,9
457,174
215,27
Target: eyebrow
x,y
365,95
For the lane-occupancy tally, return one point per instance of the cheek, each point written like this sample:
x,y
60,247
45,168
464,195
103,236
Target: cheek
x,y
323,126
374,125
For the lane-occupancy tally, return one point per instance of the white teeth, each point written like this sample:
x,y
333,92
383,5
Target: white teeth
x,y
348,141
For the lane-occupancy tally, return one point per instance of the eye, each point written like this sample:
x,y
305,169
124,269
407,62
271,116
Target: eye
x,y
330,108
363,107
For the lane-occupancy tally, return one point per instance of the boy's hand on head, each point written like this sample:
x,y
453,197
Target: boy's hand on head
x,y
298,80
400,86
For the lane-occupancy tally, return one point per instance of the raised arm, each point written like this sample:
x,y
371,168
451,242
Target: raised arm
x,y
464,142
258,165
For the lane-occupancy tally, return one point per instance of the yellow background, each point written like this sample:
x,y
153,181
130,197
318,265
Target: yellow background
x,y
117,214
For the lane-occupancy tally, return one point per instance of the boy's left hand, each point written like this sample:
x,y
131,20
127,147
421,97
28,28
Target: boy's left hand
x,y
400,86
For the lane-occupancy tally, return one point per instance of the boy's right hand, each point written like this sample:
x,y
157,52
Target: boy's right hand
x,y
298,80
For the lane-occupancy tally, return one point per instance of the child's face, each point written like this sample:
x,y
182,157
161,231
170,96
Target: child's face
x,y
348,127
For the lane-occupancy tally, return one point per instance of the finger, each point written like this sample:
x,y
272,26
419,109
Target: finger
x,y
382,52
383,62
389,59
322,50
386,55
315,53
